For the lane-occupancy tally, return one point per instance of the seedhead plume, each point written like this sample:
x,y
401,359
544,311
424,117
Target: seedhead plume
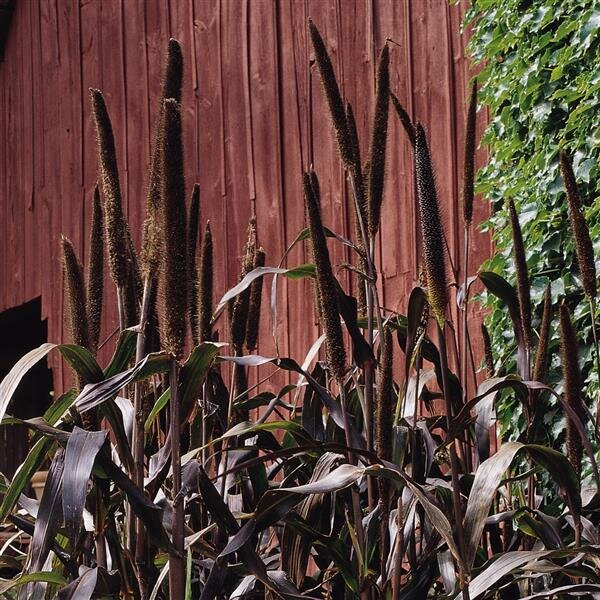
x,y
241,303
405,120
326,289
523,287
255,302
205,288
488,355
113,210
75,292
572,384
193,225
583,244
173,292
384,409
359,204
95,274
431,228
170,88
332,93
540,367
379,142
469,158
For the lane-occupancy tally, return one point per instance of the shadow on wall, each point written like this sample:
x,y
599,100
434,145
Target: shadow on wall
x,y
22,330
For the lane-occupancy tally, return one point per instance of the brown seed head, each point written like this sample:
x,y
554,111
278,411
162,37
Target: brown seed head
x,y
255,302
241,304
384,409
581,233
359,205
193,225
379,142
406,121
540,367
469,158
75,292
95,274
326,289
173,275
523,288
113,210
332,93
487,351
572,383
431,228
205,288
170,88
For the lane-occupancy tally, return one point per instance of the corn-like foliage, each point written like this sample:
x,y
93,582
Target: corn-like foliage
x,y
176,470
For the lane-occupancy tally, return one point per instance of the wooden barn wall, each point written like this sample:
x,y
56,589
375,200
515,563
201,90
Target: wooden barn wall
x,y
254,118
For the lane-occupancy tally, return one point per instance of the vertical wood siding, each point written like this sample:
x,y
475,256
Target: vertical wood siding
x,y
254,118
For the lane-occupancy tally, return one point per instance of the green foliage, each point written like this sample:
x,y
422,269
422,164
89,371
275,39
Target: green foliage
x,y
540,81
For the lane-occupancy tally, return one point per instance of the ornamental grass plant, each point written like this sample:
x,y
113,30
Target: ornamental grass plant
x,y
370,475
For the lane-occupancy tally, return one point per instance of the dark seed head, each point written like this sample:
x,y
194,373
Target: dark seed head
x,y
469,158
431,228
241,303
95,275
409,128
379,142
326,289
332,93
581,233
523,287
75,292
193,226
572,383
487,351
540,367
173,276
205,288
113,210
255,303
170,88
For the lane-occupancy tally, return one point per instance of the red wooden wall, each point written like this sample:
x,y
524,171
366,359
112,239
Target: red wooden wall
x,y
254,118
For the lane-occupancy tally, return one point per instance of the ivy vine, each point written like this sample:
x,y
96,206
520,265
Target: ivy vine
x,y
540,79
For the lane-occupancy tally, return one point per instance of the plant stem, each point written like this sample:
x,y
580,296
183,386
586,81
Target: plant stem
x,y
356,510
176,559
141,546
592,302
399,548
454,466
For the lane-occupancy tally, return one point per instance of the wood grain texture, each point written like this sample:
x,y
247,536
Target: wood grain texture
x,y
254,119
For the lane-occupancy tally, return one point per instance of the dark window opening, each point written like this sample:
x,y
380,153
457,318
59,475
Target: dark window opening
x,y
22,330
